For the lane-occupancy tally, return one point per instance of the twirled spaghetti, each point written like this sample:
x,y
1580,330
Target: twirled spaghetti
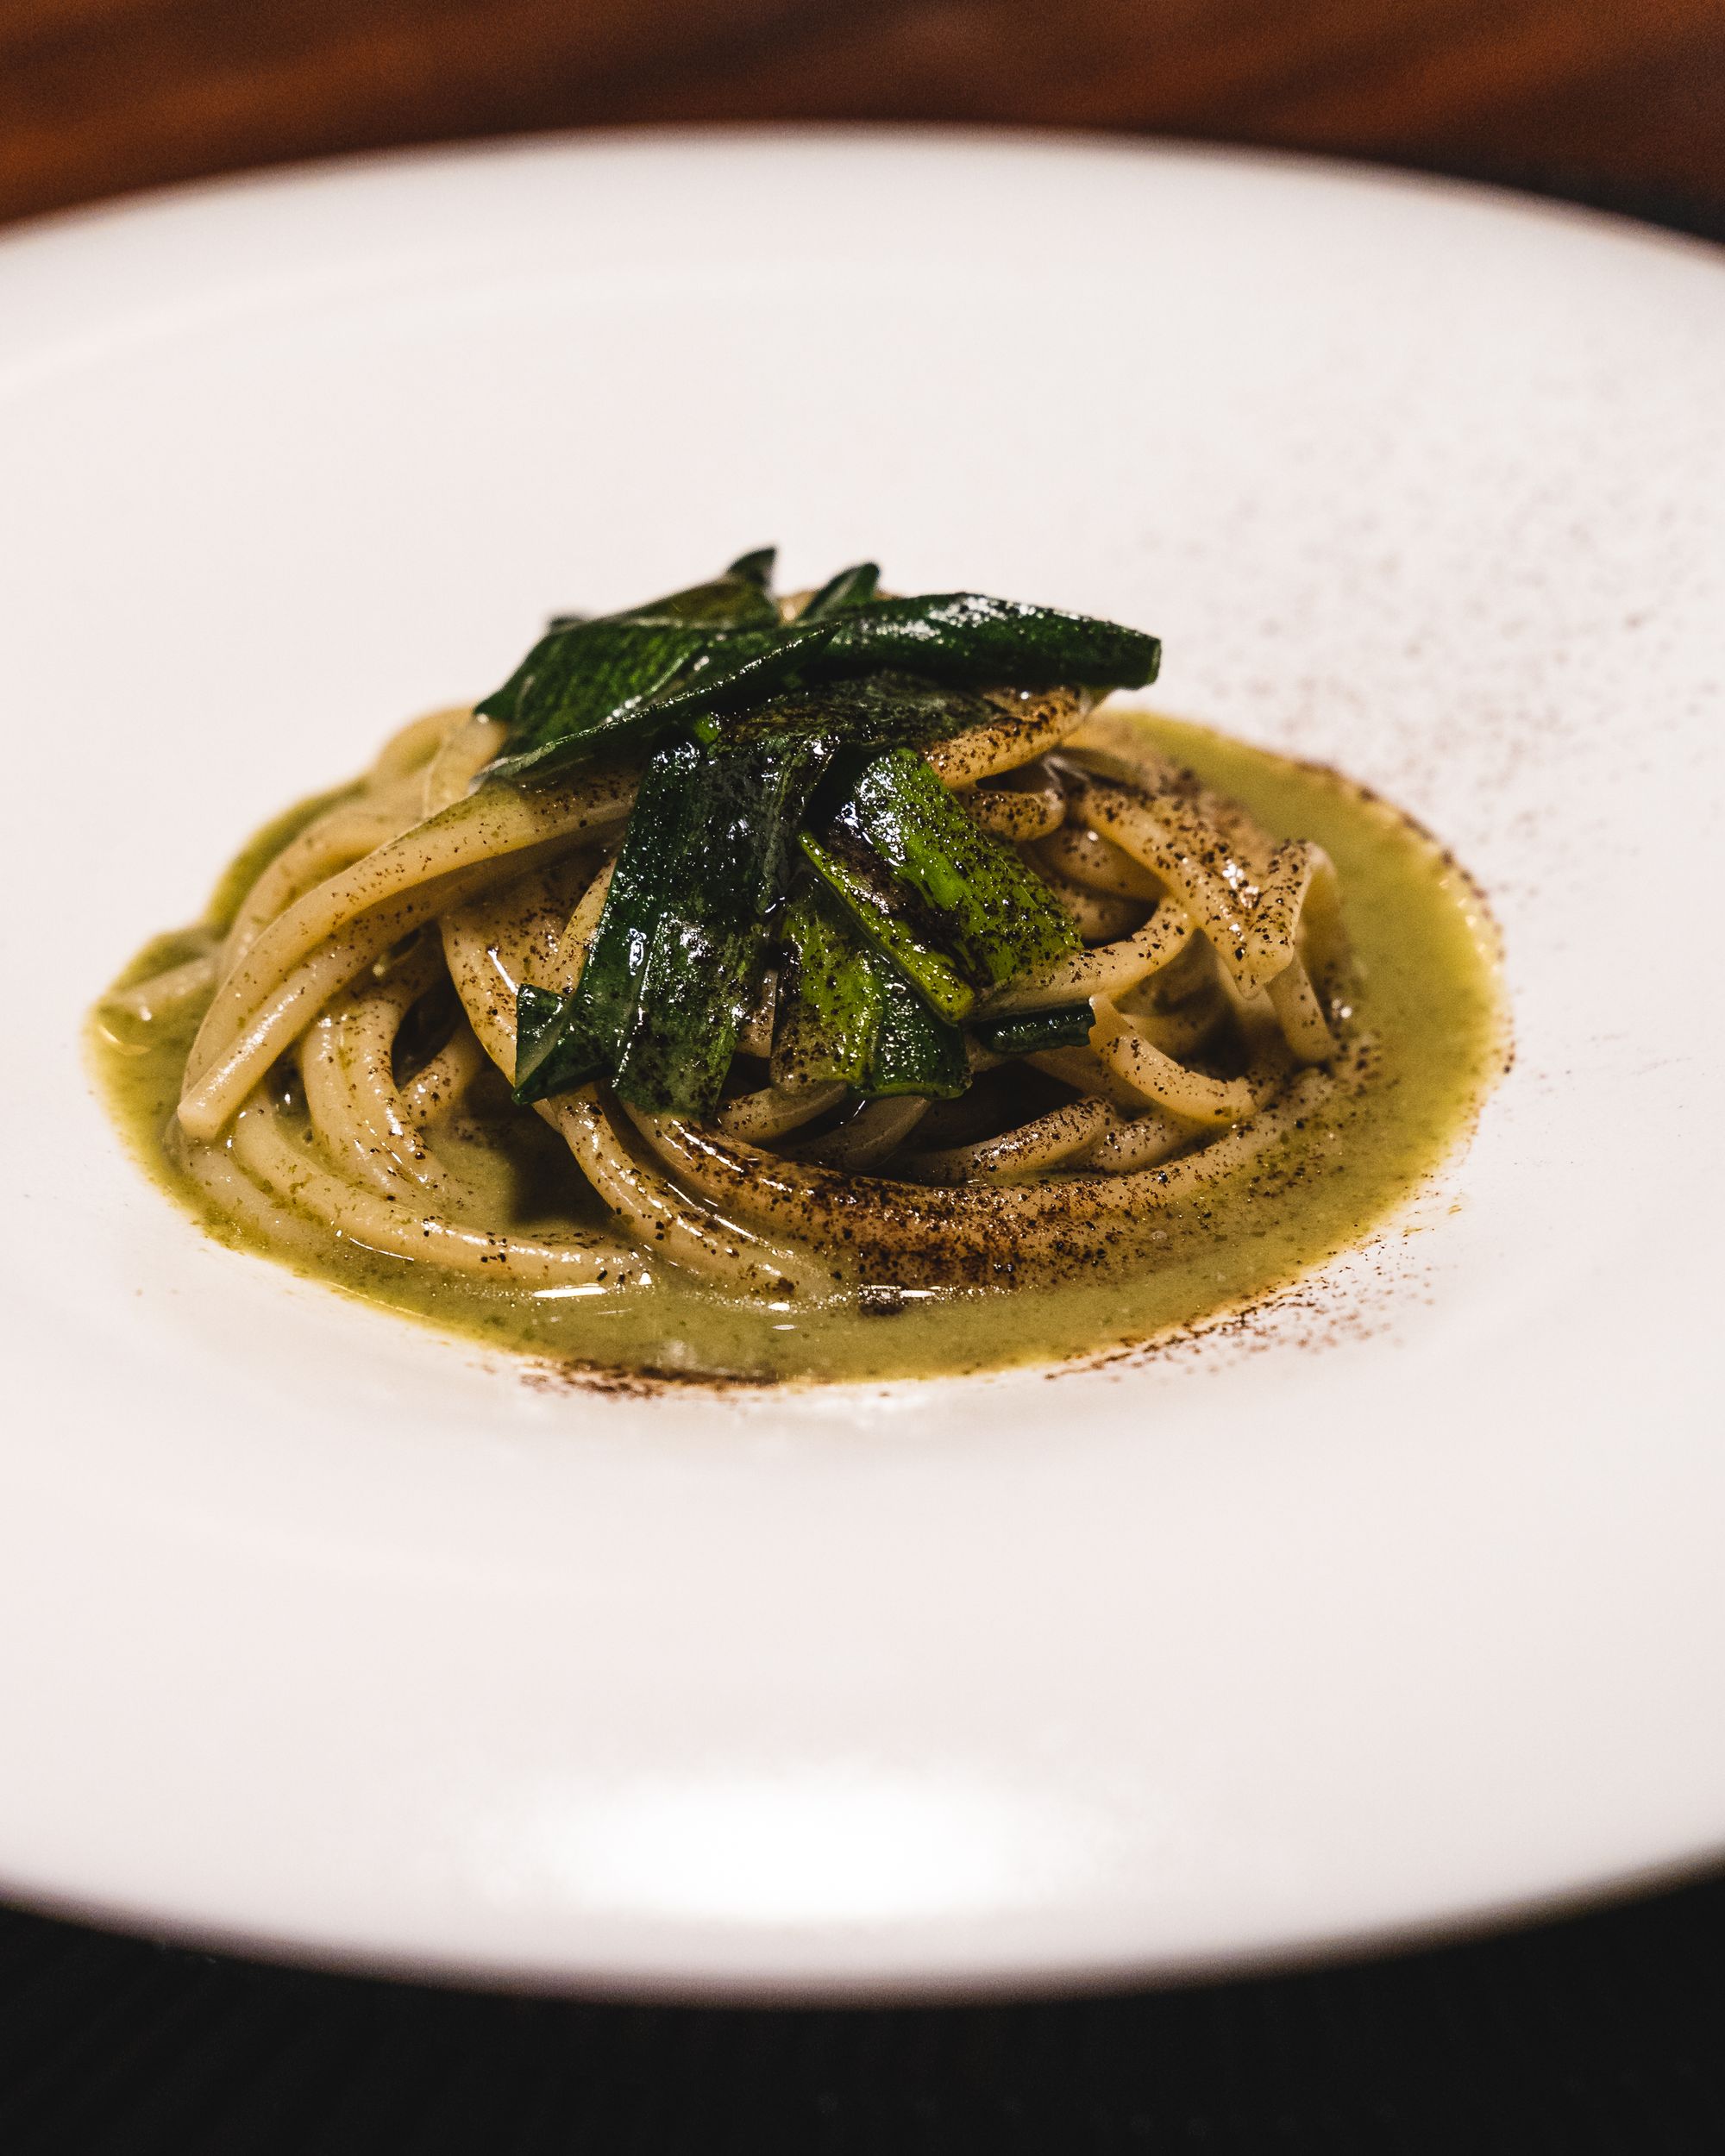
x,y
356,999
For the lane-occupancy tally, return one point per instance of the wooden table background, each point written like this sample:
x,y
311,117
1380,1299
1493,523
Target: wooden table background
x,y
1620,102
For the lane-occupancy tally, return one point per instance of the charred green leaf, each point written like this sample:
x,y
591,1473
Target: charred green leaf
x,y
1066,1025
851,587
748,799
830,1000
617,684
586,681
914,1051
992,915
585,1038
891,927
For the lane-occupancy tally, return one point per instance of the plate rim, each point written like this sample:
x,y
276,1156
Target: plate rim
x,y
850,138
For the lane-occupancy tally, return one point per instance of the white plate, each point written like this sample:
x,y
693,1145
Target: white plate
x,y
1399,1608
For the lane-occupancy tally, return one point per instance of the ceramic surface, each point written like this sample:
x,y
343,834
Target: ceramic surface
x,y
1398,1606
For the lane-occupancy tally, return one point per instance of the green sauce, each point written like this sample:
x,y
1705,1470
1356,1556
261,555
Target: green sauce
x,y
1428,990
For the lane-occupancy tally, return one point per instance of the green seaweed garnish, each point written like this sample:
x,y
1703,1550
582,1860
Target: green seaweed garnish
x,y
621,682
784,808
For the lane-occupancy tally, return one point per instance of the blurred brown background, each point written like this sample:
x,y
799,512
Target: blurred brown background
x,y
1619,102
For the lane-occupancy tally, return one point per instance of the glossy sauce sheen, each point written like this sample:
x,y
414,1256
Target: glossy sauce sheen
x,y
1428,991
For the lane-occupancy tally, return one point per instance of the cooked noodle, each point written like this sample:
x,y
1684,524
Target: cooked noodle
x,y
366,985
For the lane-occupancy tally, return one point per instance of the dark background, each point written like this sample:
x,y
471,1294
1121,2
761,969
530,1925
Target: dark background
x,y
1617,101
1601,2033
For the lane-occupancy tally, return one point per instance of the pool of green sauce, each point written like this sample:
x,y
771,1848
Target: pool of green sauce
x,y
1427,989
